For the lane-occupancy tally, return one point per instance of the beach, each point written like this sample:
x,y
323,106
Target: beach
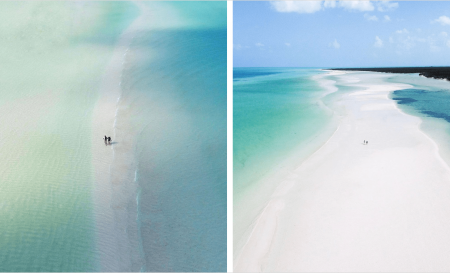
x,y
152,76
350,206
163,102
117,237
53,57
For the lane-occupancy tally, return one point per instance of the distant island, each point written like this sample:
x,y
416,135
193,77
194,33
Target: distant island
x,y
437,72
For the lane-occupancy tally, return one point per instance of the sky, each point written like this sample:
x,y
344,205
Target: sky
x,y
341,33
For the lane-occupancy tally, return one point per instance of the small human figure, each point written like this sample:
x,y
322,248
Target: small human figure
x,y
109,140
367,142
105,139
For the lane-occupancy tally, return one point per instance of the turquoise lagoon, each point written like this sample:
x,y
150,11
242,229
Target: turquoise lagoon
x,y
275,111
176,87
52,59
282,115
427,99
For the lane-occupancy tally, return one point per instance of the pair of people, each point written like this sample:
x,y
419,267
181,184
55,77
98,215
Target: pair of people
x,y
366,142
107,140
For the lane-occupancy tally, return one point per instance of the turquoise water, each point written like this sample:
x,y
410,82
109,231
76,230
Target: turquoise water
x,y
431,103
51,69
173,107
428,100
52,59
276,110
428,97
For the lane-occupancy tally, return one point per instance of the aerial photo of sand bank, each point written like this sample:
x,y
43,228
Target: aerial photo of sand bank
x,y
151,76
343,169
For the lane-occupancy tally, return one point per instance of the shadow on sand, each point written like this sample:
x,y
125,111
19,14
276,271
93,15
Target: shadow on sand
x,y
111,143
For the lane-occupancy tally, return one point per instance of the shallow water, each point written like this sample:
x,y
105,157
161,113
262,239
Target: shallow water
x,y
53,56
427,99
172,112
51,68
275,110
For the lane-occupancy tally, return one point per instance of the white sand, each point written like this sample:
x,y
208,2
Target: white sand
x,y
384,206
114,189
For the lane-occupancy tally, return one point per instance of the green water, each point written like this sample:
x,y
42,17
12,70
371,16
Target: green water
x,y
173,108
50,67
273,114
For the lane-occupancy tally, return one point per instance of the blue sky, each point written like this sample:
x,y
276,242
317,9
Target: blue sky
x,y
341,33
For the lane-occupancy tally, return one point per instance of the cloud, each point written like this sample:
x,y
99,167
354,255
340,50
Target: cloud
x,y
259,45
386,6
378,42
357,5
443,20
438,40
417,40
287,44
239,46
370,17
335,44
405,41
329,4
297,6
387,18
315,6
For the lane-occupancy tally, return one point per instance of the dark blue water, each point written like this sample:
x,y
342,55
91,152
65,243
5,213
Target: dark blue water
x,y
432,103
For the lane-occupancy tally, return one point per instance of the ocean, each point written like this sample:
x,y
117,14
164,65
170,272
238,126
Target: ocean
x,y
279,109
173,106
427,99
171,112
274,111
283,207
51,68
280,117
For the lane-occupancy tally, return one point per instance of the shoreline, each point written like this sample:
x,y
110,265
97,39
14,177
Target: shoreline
x,y
266,187
355,207
117,237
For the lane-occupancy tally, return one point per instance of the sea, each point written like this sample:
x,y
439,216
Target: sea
x,y
280,117
172,108
279,109
173,102
427,99
274,111
283,115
